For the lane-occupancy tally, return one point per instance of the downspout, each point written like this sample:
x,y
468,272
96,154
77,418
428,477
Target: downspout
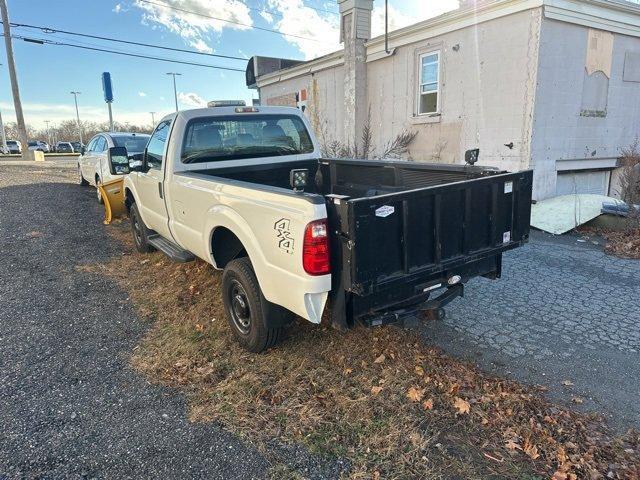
x,y
386,27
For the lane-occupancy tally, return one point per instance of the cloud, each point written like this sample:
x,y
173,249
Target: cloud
x,y
297,19
267,16
117,8
142,94
196,28
191,99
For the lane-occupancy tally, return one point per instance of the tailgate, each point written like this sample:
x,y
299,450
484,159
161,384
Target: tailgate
x,y
388,238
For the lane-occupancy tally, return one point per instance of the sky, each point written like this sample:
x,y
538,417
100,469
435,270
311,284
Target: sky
x,y
48,73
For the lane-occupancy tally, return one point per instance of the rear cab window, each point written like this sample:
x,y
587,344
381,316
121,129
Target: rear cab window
x,y
236,137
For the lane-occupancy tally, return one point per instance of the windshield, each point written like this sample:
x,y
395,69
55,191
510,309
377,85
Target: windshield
x,y
133,144
11,142
235,137
33,144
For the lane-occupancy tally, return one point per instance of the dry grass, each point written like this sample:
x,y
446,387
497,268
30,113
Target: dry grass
x,y
379,398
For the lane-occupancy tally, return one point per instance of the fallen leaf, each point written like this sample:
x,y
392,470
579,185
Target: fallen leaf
x,y
559,476
462,405
380,359
567,383
428,404
577,400
415,394
530,449
376,390
199,327
347,371
419,370
511,445
34,234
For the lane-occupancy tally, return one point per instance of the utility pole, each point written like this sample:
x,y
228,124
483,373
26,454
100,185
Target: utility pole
x,y
75,97
153,119
175,91
22,129
48,132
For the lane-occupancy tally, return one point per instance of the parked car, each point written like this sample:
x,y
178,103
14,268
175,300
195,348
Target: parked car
x,y
14,146
38,145
92,164
64,147
77,147
247,190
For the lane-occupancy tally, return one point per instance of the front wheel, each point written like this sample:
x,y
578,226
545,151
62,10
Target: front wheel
x,y
139,230
256,323
81,179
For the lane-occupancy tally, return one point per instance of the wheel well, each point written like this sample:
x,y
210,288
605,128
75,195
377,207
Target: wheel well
x,y
128,199
225,247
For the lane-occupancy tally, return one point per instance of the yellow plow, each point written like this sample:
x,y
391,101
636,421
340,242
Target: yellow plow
x,y
113,196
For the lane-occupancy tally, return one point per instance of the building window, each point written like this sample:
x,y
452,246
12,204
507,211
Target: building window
x,y
429,93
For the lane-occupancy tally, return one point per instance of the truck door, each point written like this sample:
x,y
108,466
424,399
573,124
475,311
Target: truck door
x,y
150,184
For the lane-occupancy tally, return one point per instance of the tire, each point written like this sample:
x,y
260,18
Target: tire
x,y
139,231
256,323
98,192
81,179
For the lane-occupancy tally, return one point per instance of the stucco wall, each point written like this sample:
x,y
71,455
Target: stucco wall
x,y
325,104
487,90
560,132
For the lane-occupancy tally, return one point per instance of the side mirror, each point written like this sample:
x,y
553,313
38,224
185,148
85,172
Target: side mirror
x,y
118,161
145,164
83,150
471,156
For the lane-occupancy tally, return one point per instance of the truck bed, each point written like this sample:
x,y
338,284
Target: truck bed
x,y
401,229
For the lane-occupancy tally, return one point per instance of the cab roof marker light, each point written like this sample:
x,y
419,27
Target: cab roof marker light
x,y
247,110
226,103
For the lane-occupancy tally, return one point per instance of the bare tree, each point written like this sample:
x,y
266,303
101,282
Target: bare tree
x,y
630,181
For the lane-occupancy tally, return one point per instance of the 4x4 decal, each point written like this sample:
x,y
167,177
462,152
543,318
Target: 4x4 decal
x,y
285,240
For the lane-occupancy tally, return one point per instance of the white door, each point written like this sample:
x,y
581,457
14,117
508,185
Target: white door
x,y
595,182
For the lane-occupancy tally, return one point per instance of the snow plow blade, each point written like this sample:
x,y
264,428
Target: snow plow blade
x,y
113,195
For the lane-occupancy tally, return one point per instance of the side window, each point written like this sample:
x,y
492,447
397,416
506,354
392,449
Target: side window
x,y
101,145
429,86
92,145
156,145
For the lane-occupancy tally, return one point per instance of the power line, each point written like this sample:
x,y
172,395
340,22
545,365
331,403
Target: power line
x,y
43,41
49,30
234,22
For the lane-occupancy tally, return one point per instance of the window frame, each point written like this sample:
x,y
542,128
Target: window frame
x,y
420,83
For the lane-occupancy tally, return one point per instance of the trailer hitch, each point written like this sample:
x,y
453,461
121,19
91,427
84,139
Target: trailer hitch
x,y
433,308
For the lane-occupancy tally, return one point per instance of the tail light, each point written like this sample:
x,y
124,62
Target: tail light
x,y
315,251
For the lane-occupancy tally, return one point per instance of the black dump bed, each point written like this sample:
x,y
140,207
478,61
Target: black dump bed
x,y
402,228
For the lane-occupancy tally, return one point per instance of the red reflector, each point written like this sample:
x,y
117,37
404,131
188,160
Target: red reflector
x,y
315,251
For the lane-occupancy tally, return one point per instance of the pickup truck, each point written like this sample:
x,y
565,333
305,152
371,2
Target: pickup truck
x,y
247,190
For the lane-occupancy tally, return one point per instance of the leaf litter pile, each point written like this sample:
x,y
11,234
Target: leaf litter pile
x,y
378,398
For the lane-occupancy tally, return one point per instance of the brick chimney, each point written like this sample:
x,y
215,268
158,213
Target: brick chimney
x,y
355,30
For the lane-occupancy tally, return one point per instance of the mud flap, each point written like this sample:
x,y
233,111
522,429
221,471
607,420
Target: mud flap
x,y
113,196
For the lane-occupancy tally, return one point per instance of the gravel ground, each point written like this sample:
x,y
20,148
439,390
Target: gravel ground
x,y
70,406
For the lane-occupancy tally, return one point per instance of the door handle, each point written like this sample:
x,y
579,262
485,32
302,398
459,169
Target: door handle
x,y
160,189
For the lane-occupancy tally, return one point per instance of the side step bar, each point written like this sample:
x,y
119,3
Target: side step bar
x,y
170,249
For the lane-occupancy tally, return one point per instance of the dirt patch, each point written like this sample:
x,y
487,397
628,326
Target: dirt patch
x,y
391,406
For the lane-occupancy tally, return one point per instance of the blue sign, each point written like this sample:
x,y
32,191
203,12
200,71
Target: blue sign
x,y
107,88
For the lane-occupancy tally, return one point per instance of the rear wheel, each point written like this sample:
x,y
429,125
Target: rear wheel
x,y
139,230
256,323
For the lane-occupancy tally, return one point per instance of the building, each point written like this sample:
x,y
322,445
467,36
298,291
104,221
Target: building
x,y
552,85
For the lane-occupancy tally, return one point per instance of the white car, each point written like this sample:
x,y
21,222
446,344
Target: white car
x,y
92,164
14,146
37,145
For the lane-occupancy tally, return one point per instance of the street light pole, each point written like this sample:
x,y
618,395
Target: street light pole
x,y
48,132
175,91
22,129
75,97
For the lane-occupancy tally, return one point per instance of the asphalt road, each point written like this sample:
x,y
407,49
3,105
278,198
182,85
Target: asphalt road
x,y
70,406
563,313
